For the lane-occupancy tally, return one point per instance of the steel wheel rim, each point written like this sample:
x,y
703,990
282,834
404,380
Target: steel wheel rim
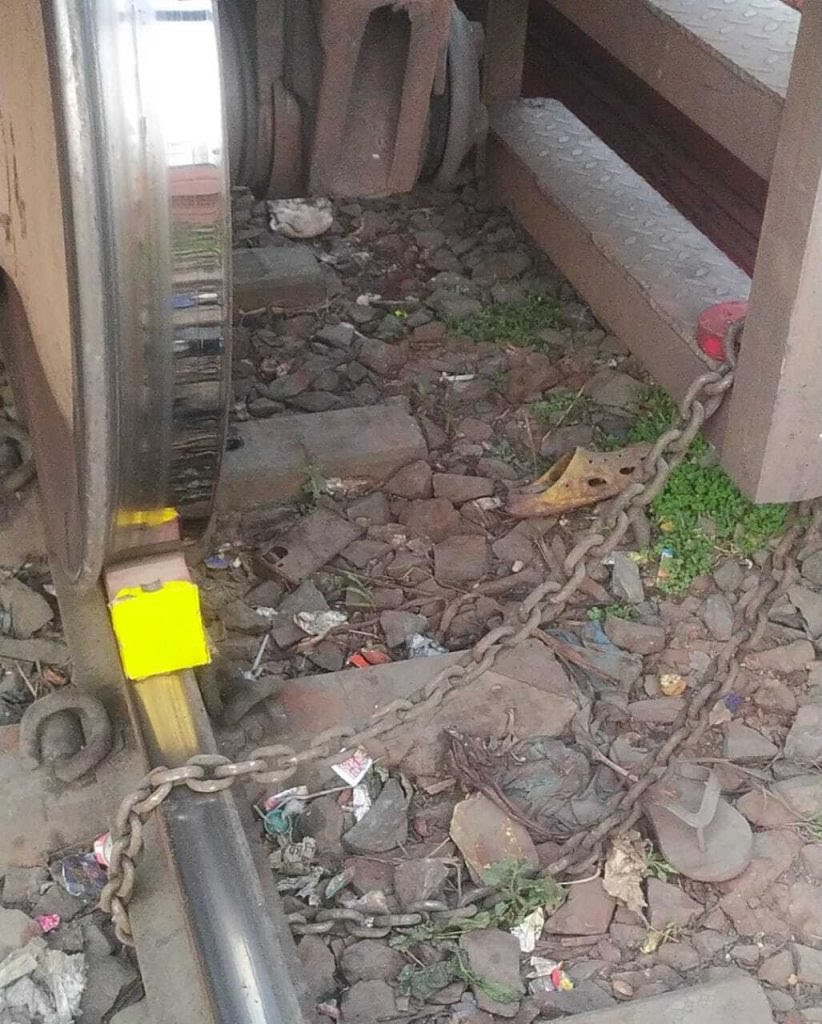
x,y
137,89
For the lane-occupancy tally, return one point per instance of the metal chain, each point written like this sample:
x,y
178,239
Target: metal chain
x,y
364,926
586,847
275,765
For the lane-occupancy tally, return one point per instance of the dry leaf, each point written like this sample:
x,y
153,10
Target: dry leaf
x,y
625,870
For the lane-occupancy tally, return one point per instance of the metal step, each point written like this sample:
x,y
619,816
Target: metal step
x,y
724,63
646,271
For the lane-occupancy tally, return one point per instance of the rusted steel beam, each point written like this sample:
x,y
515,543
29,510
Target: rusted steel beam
x,y
773,446
381,62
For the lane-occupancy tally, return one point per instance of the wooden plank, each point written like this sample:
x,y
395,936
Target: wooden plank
x,y
723,63
506,22
773,447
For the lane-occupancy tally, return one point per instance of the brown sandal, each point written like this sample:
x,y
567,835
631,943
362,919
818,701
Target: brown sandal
x,y
699,833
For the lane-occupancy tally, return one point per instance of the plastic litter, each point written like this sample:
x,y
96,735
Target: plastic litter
x,y
360,801
319,624
365,658
102,849
543,779
217,562
354,768
733,702
48,922
81,875
603,656
339,882
294,798
724,710
296,860
281,810
419,646
300,218
548,976
266,611
457,378
278,822
666,557
528,931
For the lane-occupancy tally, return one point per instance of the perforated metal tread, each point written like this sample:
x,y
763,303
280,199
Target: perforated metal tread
x,y
756,38
724,63
678,270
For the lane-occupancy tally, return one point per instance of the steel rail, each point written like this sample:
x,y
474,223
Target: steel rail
x,y
212,940
235,935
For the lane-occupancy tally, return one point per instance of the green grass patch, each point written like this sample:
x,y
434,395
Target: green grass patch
x,y
560,406
513,322
620,611
701,514
314,487
518,893
657,867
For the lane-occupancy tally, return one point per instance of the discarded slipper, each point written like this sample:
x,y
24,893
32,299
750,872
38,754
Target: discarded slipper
x,y
699,833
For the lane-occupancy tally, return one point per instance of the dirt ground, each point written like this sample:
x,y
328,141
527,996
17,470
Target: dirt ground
x,y
441,306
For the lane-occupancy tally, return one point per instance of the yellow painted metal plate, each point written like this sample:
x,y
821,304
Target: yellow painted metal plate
x,y
159,631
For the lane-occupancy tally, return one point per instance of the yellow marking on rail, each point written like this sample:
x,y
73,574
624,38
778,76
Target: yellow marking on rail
x,y
165,705
146,517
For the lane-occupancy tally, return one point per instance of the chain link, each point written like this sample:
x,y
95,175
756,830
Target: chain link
x,y
275,765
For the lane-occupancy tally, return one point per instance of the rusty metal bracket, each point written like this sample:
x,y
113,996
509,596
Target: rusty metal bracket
x,y
94,723
380,65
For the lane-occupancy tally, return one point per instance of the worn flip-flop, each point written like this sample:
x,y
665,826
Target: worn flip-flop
x,y
699,833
